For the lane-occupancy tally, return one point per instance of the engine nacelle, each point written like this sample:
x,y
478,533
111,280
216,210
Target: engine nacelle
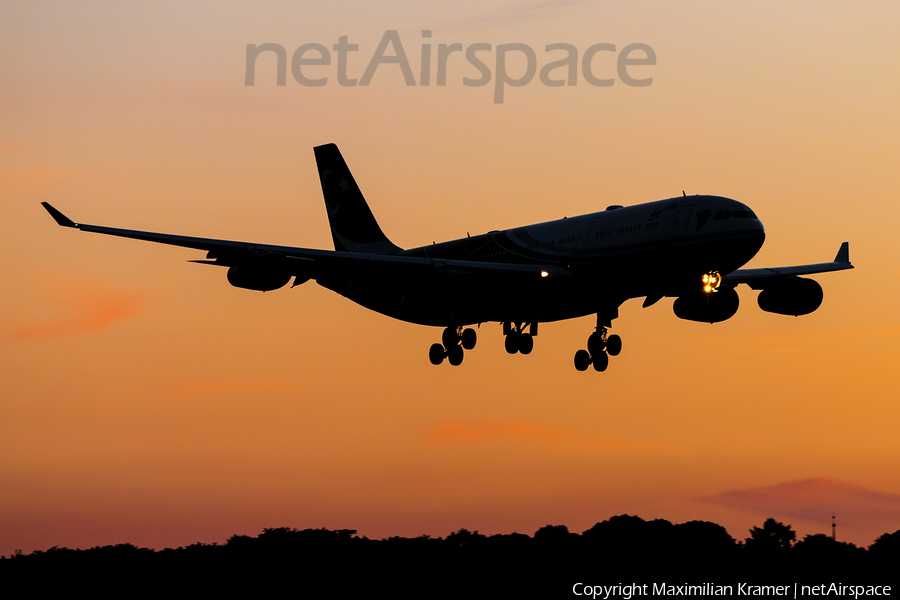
x,y
262,273
708,308
793,297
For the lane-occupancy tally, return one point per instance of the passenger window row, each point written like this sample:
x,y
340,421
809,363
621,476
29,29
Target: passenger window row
x,y
620,230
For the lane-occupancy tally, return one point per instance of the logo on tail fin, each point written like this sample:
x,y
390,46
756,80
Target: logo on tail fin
x,y
332,201
353,226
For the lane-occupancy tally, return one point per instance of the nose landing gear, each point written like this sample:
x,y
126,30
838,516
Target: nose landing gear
x,y
600,345
454,341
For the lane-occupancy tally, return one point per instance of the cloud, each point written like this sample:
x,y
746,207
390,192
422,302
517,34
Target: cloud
x,y
815,500
477,431
209,387
89,310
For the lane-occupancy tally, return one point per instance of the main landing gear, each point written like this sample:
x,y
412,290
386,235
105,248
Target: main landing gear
x,y
454,339
600,346
517,339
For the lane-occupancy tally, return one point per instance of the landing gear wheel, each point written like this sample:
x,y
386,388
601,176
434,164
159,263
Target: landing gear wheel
x,y
512,343
455,355
595,344
469,337
526,343
450,337
613,345
601,361
436,354
582,360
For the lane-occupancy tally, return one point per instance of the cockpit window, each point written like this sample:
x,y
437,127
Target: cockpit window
x,y
737,214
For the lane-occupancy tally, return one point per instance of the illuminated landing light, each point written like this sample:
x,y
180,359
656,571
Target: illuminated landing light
x,y
711,282
544,274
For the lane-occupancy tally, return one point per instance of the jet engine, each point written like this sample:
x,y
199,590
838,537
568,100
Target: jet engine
x,y
707,308
795,297
262,273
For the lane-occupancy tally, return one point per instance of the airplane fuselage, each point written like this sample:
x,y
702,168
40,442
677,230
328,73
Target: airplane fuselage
x,y
655,249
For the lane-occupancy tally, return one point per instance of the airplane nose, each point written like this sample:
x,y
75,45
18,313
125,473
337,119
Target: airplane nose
x,y
757,225
756,228
753,223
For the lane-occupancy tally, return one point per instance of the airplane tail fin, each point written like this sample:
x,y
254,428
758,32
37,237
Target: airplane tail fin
x,y
353,226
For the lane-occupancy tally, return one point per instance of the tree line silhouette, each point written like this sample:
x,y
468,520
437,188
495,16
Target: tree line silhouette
x,y
340,563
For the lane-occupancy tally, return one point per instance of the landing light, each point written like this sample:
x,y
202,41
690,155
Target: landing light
x,y
544,273
711,282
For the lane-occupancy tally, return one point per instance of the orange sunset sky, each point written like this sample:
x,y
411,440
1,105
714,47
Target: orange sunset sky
x,y
145,400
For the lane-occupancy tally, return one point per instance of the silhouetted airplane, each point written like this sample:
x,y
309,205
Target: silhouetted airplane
x,y
688,247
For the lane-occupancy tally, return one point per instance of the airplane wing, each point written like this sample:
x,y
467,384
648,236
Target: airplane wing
x,y
760,278
230,253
